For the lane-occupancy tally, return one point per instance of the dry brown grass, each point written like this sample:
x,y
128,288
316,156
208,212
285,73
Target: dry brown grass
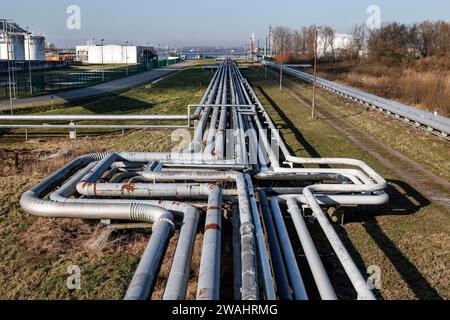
x,y
429,91
425,85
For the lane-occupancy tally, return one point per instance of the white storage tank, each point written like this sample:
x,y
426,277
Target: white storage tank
x,y
3,47
34,47
17,47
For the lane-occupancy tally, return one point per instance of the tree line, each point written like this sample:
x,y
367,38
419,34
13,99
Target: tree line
x,y
392,43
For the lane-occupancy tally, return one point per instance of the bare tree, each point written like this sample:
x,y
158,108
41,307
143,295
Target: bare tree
x,y
297,41
359,34
310,39
328,36
282,38
434,38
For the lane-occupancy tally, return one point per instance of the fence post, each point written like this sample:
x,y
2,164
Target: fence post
x,y
72,131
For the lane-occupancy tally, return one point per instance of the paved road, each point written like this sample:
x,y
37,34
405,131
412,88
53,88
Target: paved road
x,y
103,88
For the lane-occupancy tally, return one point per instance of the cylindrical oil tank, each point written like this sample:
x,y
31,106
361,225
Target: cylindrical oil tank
x,y
34,47
16,47
3,47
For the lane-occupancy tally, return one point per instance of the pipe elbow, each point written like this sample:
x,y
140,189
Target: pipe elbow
x,y
149,213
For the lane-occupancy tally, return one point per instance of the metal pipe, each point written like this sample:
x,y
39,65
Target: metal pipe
x,y
144,276
295,277
237,265
317,269
209,274
364,293
264,264
279,269
177,282
250,290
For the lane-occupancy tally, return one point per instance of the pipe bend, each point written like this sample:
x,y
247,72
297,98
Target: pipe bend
x,y
33,204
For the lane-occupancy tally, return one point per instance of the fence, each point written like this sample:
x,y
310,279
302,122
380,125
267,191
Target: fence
x,y
59,81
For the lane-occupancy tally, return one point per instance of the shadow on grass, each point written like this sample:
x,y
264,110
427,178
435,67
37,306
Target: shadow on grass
x,y
102,102
405,200
298,135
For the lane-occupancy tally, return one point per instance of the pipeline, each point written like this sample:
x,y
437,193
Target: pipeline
x,y
170,191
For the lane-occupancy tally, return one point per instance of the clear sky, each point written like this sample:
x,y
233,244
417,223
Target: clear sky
x,y
203,22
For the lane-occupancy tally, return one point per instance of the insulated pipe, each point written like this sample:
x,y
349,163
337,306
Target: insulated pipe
x,y
295,277
279,269
364,293
378,199
179,274
250,290
196,145
220,134
264,264
107,117
145,274
213,123
177,282
237,270
209,274
379,184
317,269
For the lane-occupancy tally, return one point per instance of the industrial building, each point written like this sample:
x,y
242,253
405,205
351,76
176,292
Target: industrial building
x,y
340,42
18,44
115,54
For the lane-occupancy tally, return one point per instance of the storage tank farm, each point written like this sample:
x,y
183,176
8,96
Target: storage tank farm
x,y
18,44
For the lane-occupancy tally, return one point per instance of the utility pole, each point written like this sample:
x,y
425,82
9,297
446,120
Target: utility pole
x,y
103,68
282,62
265,57
9,51
315,76
126,55
266,47
257,52
29,61
270,41
148,54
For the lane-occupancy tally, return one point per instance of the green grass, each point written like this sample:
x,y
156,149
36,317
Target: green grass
x,y
171,96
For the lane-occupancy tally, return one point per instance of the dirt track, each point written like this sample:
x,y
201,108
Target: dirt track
x,y
424,181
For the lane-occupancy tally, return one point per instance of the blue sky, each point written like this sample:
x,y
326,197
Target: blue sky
x,y
204,22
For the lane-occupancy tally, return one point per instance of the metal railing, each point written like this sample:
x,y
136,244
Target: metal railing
x,y
422,119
